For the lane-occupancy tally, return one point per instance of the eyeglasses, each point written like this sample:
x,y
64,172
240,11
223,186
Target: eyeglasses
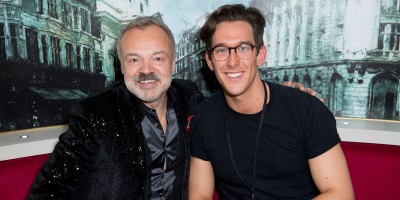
x,y
243,51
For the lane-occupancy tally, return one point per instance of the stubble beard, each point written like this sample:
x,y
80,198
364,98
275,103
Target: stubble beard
x,y
148,95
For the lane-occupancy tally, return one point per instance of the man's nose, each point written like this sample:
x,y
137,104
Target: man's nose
x,y
147,67
233,58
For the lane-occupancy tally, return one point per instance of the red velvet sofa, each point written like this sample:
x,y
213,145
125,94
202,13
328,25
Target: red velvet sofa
x,y
374,170
17,175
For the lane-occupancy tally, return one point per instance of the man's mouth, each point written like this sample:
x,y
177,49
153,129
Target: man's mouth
x,y
146,78
234,75
147,81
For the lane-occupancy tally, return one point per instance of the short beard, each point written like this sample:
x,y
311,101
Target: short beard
x,y
141,93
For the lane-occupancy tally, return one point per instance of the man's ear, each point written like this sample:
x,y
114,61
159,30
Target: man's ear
x,y
209,61
122,68
173,65
262,55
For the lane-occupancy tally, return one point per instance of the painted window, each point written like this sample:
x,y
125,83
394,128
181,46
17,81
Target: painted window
x,y
68,55
2,44
55,50
14,40
44,49
53,9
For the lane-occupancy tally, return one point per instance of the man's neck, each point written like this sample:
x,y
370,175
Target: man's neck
x,y
161,109
251,101
159,105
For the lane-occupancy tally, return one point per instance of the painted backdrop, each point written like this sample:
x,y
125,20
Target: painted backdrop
x,y
55,52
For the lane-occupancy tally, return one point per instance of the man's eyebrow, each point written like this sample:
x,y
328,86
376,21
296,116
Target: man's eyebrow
x,y
131,54
222,44
138,55
161,52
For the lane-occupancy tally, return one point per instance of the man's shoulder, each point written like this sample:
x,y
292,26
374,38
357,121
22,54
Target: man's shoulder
x,y
281,89
212,104
187,90
104,101
110,94
295,100
183,85
291,94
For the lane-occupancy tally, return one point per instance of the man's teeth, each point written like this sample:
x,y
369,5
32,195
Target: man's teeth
x,y
147,81
234,75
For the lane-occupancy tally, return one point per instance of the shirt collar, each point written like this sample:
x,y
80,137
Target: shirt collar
x,y
143,109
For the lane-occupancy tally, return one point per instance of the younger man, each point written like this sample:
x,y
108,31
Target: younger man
x,y
273,142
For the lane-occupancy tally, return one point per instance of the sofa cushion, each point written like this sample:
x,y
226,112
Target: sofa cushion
x,y
17,175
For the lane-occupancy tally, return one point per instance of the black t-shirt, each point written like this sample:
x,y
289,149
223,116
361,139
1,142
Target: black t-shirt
x,y
296,127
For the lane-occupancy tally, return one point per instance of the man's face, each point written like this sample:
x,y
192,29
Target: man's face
x,y
236,75
147,63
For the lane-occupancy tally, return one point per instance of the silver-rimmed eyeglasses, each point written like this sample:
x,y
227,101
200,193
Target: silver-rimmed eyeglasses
x,y
243,51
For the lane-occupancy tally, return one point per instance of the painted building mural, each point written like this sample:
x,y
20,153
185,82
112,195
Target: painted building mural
x,y
55,52
346,50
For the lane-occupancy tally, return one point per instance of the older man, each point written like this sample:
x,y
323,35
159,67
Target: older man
x,y
129,141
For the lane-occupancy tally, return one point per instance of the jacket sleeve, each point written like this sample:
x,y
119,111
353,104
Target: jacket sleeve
x,y
61,175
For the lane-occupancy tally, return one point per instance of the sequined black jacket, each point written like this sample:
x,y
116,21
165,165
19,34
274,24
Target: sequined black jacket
x,y
102,155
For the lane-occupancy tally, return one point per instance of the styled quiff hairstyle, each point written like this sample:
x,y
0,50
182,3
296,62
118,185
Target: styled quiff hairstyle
x,y
231,13
142,23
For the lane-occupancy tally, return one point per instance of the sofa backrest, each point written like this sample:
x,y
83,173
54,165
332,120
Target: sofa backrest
x,y
374,170
17,175
371,147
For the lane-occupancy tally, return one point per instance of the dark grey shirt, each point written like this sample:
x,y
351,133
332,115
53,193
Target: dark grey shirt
x,y
160,148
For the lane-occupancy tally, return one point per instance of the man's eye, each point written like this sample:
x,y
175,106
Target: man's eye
x,y
221,50
244,48
159,60
134,60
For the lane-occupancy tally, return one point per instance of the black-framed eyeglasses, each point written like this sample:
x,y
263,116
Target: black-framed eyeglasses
x,y
243,51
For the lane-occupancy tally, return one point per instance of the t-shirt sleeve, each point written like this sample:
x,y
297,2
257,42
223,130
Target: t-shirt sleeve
x,y
321,131
196,134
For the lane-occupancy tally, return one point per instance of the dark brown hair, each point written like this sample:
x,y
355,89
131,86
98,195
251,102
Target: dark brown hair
x,y
231,13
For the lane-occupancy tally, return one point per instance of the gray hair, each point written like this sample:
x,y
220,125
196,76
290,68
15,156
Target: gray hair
x,y
143,22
